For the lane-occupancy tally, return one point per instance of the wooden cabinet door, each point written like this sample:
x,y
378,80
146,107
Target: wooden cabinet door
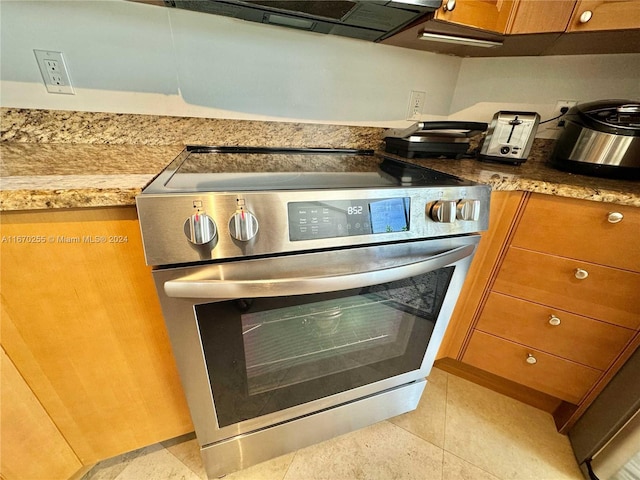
x,y
579,339
82,323
490,15
552,375
606,294
581,229
594,15
540,16
32,446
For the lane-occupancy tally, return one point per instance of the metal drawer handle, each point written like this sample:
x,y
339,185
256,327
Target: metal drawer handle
x,y
553,320
586,16
531,360
449,5
614,217
581,274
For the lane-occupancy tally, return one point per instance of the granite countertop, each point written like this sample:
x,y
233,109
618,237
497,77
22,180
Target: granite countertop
x,y
537,176
55,159
42,176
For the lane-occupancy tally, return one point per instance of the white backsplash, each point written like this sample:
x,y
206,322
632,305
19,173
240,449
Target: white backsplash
x,y
126,57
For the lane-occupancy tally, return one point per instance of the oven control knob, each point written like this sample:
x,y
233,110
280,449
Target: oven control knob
x,y
444,211
200,229
243,225
468,210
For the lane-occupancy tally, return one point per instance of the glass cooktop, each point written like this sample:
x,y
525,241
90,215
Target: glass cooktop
x,y
214,169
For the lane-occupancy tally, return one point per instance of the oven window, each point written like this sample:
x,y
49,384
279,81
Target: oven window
x,y
267,354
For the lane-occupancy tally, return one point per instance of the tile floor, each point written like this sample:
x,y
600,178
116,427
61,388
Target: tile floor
x,y
460,431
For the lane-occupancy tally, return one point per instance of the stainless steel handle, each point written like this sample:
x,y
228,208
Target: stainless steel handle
x,y
228,288
614,217
629,108
553,320
531,360
581,274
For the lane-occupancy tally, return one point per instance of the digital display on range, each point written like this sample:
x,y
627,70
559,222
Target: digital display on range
x,y
343,218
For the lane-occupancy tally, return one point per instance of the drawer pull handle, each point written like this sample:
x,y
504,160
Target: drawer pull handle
x,y
449,5
553,320
586,16
581,274
615,217
531,360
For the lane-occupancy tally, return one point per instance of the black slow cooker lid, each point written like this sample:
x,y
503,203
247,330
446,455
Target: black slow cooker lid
x,y
618,117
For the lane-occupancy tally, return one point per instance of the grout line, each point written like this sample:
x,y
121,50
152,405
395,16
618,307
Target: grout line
x,y
474,465
295,454
180,460
413,434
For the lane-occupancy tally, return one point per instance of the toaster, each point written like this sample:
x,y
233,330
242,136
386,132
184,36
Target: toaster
x,y
510,137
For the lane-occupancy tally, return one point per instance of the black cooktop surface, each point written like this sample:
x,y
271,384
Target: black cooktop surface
x,y
215,169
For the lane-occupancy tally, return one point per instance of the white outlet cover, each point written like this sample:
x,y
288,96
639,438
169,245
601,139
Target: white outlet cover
x,y
416,105
55,81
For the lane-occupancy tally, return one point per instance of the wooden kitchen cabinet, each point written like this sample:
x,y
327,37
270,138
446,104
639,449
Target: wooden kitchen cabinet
x,y
596,15
82,325
32,446
536,327
547,373
509,17
540,16
573,337
528,28
490,15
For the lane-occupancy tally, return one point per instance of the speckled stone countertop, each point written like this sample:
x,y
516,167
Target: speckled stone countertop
x,y
38,175
56,159
535,175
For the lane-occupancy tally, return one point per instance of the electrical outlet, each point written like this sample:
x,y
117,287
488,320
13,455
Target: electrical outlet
x,y
416,104
557,112
54,72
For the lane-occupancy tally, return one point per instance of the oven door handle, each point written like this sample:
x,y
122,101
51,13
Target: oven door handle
x,y
228,288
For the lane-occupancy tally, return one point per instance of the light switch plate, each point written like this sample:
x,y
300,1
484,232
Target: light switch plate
x,y
54,72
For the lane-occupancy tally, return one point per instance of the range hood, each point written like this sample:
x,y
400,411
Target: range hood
x,y
372,20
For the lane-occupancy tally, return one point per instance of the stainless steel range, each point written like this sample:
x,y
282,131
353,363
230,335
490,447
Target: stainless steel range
x,y
305,291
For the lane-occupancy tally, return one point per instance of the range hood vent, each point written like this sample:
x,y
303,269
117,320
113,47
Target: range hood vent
x,y
372,20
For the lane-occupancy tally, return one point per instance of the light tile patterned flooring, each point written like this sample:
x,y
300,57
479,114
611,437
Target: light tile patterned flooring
x,y
460,431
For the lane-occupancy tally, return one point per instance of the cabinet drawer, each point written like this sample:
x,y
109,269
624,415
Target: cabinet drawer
x,y
580,229
490,15
580,339
606,15
555,376
607,294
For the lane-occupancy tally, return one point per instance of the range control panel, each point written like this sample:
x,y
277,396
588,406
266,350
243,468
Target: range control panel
x,y
343,218
199,227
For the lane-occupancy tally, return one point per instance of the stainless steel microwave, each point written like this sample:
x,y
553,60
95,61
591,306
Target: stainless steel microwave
x,y
371,20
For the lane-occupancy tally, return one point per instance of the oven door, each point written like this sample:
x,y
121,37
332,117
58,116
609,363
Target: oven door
x,y
260,342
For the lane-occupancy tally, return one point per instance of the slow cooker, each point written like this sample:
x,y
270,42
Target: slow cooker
x,y
601,138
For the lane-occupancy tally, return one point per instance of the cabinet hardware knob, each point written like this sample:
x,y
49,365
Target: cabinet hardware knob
x,y
586,16
449,5
614,217
581,274
553,320
531,360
